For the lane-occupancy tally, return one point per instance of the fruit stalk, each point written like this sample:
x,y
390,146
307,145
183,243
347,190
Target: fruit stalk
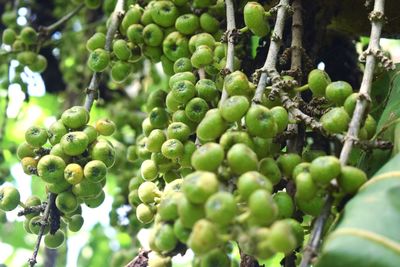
x,y
230,28
376,17
116,17
50,202
269,68
295,144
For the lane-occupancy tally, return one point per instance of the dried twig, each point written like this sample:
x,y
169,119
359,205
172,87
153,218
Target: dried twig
x,y
140,260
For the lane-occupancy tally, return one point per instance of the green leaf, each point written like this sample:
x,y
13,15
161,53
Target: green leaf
x,y
367,234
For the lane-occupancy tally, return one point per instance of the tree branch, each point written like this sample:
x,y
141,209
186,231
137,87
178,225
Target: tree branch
x,y
230,32
47,30
376,17
269,68
116,17
43,223
293,144
140,260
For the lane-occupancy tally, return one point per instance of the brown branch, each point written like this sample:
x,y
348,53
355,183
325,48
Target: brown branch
x,y
140,260
116,17
33,209
230,35
43,223
295,144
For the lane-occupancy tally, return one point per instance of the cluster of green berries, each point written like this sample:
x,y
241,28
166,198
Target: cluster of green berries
x,y
73,162
24,45
342,102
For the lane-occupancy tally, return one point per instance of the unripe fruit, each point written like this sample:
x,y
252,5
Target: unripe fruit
x,y
206,89
91,133
66,202
201,157
29,164
175,46
172,148
73,173
203,237
269,168
351,178
252,181
164,13
153,35
158,118
281,238
155,140
98,60
187,23
306,188
287,162
199,186
324,169
95,201
178,130
221,208
337,92
103,151
335,121
75,117
255,19
98,40
318,80
350,103
190,213
212,126
165,239
120,71
25,150
9,198
51,168
181,232
135,34
144,213
183,91
182,65
260,122
9,36
30,202
56,131
95,171
301,167
234,108
208,23
149,170
182,76
36,136
105,127
281,118
132,16
285,204
167,65
75,223
370,126
148,191
34,226
262,208
237,83
202,56
196,109
121,49
242,159
39,65
74,143
28,35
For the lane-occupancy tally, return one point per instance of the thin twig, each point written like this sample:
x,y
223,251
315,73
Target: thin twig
x,y
269,68
47,30
33,209
92,90
140,260
230,54
297,35
44,222
351,138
